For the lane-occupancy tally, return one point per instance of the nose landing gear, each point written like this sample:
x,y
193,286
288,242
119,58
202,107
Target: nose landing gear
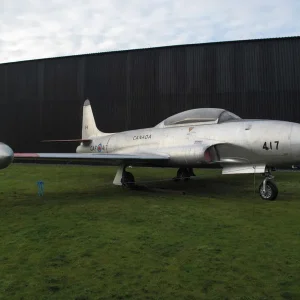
x,y
268,189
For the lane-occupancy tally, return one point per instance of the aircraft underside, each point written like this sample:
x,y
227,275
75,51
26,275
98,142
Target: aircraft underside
x,y
267,189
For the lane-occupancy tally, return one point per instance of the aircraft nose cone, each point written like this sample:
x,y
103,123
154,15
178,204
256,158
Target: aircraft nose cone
x,y
6,156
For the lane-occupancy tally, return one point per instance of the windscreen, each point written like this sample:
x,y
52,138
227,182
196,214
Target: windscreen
x,y
194,116
227,116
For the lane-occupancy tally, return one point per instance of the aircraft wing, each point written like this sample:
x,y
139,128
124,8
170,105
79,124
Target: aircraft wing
x,y
101,158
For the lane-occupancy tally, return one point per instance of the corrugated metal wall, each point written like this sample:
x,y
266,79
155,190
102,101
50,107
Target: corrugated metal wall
x,y
43,99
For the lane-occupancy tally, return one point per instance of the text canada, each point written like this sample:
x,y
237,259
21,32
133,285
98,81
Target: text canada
x,y
142,137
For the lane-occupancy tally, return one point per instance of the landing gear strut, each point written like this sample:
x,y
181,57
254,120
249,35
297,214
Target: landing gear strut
x,y
184,174
124,178
268,189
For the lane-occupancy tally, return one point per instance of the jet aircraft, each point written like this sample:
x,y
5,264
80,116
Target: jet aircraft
x,y
190,139
6,156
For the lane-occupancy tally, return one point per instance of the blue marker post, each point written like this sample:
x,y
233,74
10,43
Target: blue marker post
x,y
40,185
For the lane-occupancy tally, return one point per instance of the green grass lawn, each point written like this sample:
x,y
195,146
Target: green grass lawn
x,y
87,239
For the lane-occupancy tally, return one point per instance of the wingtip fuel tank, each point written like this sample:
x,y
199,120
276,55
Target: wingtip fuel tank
x,y
6,156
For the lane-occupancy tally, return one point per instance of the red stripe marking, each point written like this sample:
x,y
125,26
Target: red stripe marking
x,y
26,155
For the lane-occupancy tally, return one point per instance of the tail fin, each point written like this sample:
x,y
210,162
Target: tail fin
x,y
89,127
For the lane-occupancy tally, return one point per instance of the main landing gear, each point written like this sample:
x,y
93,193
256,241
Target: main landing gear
x,y
268,189
184,174
127,179
124,178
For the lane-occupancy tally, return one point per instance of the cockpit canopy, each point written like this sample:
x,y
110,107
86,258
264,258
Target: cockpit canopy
x,y
199,116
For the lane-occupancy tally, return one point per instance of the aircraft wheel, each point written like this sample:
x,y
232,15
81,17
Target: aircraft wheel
x,y
191,172
128,179
184,174
271,191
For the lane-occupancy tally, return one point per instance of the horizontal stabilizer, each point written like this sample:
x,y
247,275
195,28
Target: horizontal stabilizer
x,y
74,140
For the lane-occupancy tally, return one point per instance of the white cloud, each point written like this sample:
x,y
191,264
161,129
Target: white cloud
x,y
32,29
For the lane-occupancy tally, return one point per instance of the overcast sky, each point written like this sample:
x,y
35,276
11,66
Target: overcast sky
x,y
36,29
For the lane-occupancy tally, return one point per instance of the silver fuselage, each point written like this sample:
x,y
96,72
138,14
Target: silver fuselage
x,y
255,141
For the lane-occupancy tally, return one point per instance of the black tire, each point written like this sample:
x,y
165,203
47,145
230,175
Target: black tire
x,y
183,174
128,179
191,172
271,191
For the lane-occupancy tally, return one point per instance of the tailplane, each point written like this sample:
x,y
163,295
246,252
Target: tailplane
x,y
89,128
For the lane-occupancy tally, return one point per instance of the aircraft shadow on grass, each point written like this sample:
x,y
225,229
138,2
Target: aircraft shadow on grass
x,y
216,187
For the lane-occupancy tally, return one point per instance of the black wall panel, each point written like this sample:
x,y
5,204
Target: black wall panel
x,y
106,86
42,99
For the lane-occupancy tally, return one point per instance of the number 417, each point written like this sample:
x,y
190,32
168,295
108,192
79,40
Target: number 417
x,y
265,146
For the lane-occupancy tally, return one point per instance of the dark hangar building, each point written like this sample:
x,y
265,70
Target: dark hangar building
x,y
42,99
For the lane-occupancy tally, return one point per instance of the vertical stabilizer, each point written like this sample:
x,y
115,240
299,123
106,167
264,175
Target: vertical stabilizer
x,y
89,127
